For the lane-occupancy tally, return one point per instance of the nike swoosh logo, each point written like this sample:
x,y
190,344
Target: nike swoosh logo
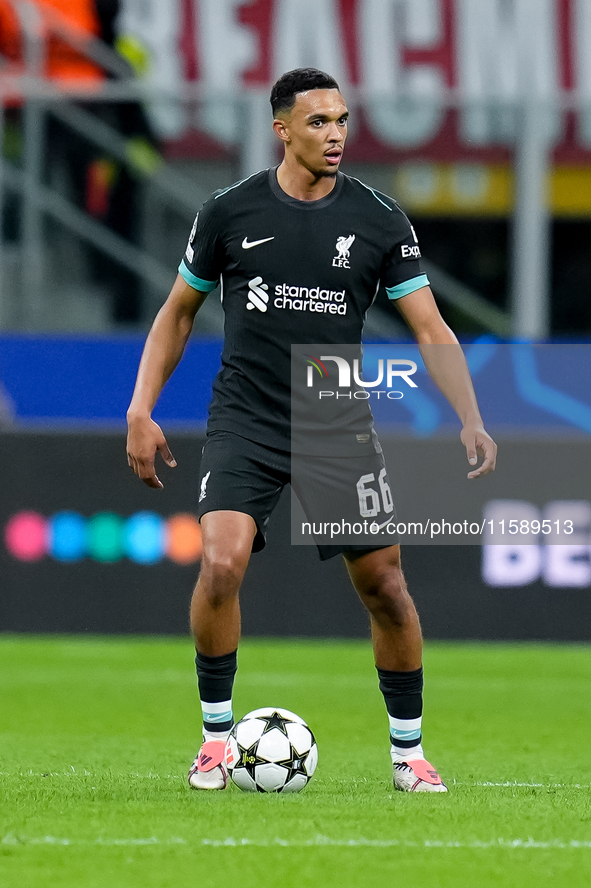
x,y
248,246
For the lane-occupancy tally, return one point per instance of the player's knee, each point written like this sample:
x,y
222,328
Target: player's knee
x,y
221,576
388,593
386,584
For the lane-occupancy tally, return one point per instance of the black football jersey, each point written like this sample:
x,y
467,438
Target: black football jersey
x,y
291,272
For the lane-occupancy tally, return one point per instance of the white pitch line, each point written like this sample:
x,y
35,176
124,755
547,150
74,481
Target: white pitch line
x,y
514,783
507,784
12,839
317,842
84,773
326,841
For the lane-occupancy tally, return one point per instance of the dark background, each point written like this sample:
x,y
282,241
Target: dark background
x,y
287,591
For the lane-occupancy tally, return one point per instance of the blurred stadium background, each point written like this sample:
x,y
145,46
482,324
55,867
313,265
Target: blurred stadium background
x,y
117,120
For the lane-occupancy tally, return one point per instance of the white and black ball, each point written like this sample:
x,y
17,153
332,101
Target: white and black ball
x,y
271,750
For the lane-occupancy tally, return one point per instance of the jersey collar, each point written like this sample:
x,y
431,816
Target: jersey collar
x,y
305,204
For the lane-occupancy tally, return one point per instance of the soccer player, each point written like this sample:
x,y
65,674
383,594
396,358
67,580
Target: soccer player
x,y
308,225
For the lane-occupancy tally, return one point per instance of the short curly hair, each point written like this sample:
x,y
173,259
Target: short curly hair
x,y
285,90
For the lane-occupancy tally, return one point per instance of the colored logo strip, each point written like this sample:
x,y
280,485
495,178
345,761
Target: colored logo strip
x,y
68,537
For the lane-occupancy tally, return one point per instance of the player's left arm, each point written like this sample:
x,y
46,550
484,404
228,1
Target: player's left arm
x,y
447,367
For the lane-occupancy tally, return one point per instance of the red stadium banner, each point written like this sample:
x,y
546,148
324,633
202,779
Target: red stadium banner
x,y
465,66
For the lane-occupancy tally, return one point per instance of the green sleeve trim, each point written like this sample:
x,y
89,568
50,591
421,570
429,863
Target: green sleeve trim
x,y
194,281
407,287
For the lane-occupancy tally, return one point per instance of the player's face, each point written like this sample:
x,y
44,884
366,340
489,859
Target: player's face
x,y
315,129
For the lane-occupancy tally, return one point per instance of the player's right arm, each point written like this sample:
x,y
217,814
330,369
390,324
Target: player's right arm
x,y
162,352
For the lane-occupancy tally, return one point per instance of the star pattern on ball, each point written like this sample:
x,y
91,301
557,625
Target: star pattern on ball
x,y
295,766
249,759
275,720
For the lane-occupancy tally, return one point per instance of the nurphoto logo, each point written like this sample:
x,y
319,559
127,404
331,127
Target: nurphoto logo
x,y
395,369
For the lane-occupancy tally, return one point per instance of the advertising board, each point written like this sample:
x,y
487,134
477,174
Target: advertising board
x,y
85,547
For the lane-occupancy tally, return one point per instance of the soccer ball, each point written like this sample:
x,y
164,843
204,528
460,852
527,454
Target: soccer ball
x,y
271,750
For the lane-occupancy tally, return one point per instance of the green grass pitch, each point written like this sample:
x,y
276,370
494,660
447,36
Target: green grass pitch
x,y
96,736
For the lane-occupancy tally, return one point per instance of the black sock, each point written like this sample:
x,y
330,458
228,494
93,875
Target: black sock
x,y
403,695
215,678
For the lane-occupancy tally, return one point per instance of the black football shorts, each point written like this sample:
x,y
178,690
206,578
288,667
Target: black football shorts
x,y
346,501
